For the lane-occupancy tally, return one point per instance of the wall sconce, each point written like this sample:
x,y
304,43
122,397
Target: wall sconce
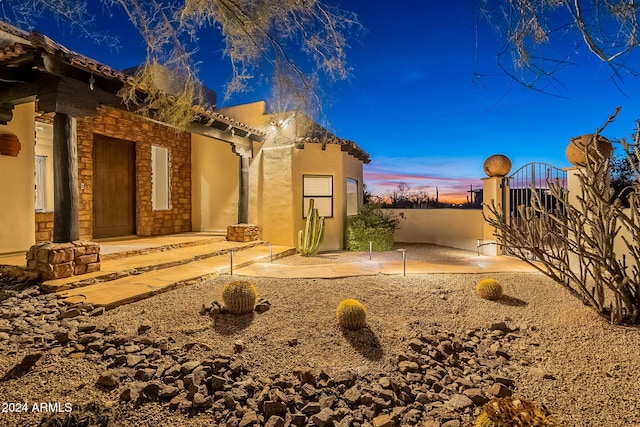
x,y
9,145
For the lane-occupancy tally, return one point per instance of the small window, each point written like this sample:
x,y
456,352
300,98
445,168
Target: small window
x,y
320,189
41,183
160,177
352,197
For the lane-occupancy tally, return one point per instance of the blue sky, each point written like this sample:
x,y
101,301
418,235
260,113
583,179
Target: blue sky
x,y
414,105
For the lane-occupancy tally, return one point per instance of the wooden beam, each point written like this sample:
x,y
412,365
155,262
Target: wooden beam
x,y
16,93
75,99
65,179
240,146
17,74
6,113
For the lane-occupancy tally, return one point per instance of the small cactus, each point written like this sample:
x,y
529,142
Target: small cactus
x,y
489,289
239,297
511,412
351,314
483,420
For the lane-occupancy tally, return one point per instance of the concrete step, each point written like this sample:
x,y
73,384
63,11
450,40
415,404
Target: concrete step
x,y
111,249
113,293
142,261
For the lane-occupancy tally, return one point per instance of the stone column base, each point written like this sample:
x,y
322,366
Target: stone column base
x,y
242,233
48,261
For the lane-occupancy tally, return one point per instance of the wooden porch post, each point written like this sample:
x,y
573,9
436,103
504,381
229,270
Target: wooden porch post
x,y
65,179
243,196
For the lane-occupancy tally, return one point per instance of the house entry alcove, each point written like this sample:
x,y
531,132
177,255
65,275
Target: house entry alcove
x,y
114,194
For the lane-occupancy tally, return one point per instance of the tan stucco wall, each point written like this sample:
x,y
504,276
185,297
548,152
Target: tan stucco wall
x,y
457,228
276,177
252,114
17,216
215,180
312,160
272,204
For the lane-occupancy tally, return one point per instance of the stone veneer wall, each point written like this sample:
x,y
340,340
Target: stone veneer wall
x,y
49,261
123,125
44,227
243,233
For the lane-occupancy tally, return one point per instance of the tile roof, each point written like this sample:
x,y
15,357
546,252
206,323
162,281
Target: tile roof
x,y
345,145
26,43
312,132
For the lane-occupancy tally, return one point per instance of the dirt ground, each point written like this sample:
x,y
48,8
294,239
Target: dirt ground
x,y
582,368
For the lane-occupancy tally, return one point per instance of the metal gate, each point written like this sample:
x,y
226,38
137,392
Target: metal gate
x,y
534,177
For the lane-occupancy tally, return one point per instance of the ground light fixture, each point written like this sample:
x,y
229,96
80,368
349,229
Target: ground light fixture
x,y
404,261
231,262
370,249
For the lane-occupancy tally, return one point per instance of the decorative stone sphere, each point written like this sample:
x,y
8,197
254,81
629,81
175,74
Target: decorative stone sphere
x,y
497,165
577,149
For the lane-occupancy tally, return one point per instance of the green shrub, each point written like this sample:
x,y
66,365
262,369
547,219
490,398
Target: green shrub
x,y
372,224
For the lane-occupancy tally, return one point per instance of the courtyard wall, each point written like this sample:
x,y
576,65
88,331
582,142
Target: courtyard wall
x,y
457,228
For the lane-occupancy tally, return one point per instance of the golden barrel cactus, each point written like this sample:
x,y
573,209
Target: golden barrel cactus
x,y
489,289
511,412
239,297
351,314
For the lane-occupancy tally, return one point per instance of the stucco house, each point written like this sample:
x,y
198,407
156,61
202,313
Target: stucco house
x,y
88,168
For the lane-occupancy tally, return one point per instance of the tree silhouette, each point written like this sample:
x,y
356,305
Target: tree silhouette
x,y
539,38
291,45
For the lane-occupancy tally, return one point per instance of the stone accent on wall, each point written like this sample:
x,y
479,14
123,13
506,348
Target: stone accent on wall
x,y
48,261
44,227
144,133
243,233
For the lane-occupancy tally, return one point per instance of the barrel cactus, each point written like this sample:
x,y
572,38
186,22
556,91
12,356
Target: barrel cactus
x,y
483,420
239,297
351,314
509,412
489,289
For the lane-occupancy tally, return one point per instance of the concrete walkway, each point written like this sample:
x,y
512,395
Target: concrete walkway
x,y
112,293
483,264
112,267
136,268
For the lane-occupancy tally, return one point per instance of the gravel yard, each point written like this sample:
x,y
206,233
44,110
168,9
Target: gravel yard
x,y
538,341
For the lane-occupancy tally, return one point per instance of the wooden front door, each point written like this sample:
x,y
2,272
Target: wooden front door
x,y
114,194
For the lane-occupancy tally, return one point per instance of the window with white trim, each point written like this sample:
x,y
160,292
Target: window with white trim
x,y
160,177
352,197
320,189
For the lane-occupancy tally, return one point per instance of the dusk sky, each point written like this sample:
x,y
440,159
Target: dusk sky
x,y
414,105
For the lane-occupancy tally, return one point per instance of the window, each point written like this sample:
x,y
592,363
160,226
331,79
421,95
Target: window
x,y
160,177
41,183
320,189
352,197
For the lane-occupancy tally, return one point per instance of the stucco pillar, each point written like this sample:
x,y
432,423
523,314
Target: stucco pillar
x,y
495,193
65,179
574,187
243,194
